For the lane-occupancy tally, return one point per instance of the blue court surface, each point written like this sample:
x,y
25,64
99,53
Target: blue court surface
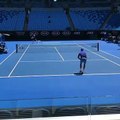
x,y
42,74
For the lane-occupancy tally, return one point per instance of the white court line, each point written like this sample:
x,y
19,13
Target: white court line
x,y
100,56
110,54
61,61
42,61
59,54
60,75
7,57
18,61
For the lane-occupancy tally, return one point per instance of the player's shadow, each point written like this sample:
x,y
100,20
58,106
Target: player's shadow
x,y
78,74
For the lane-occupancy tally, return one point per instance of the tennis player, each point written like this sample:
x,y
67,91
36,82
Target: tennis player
x,y
82,56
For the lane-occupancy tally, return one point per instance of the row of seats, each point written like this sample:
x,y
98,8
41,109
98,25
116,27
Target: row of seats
x,y
43,112
62,111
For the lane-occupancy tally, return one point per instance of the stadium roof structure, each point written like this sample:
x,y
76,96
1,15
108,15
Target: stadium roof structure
x,y
58,3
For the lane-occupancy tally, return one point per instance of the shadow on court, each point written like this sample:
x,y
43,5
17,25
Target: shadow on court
x,y
78,73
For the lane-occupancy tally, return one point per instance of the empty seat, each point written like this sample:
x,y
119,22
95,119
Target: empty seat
x,y
25,113
70,111
41,113
5,114
107,110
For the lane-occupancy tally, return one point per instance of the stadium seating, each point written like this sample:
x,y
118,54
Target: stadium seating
x,y
48,19
59,111
11,19
114,22
86,19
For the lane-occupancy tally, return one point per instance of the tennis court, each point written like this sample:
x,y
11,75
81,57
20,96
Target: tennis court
x,y
46,70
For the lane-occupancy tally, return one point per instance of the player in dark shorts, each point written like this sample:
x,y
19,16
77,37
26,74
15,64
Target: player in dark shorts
x,y
82,56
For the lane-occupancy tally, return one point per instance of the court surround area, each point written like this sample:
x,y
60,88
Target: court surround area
x,y
44,77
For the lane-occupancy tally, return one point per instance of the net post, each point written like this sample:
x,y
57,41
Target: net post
x,y
16,48
98,47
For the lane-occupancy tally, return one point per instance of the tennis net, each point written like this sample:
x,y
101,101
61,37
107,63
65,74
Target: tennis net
x,y
45,48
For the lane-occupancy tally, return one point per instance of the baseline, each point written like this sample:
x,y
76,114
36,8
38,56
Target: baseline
x,y
60,75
